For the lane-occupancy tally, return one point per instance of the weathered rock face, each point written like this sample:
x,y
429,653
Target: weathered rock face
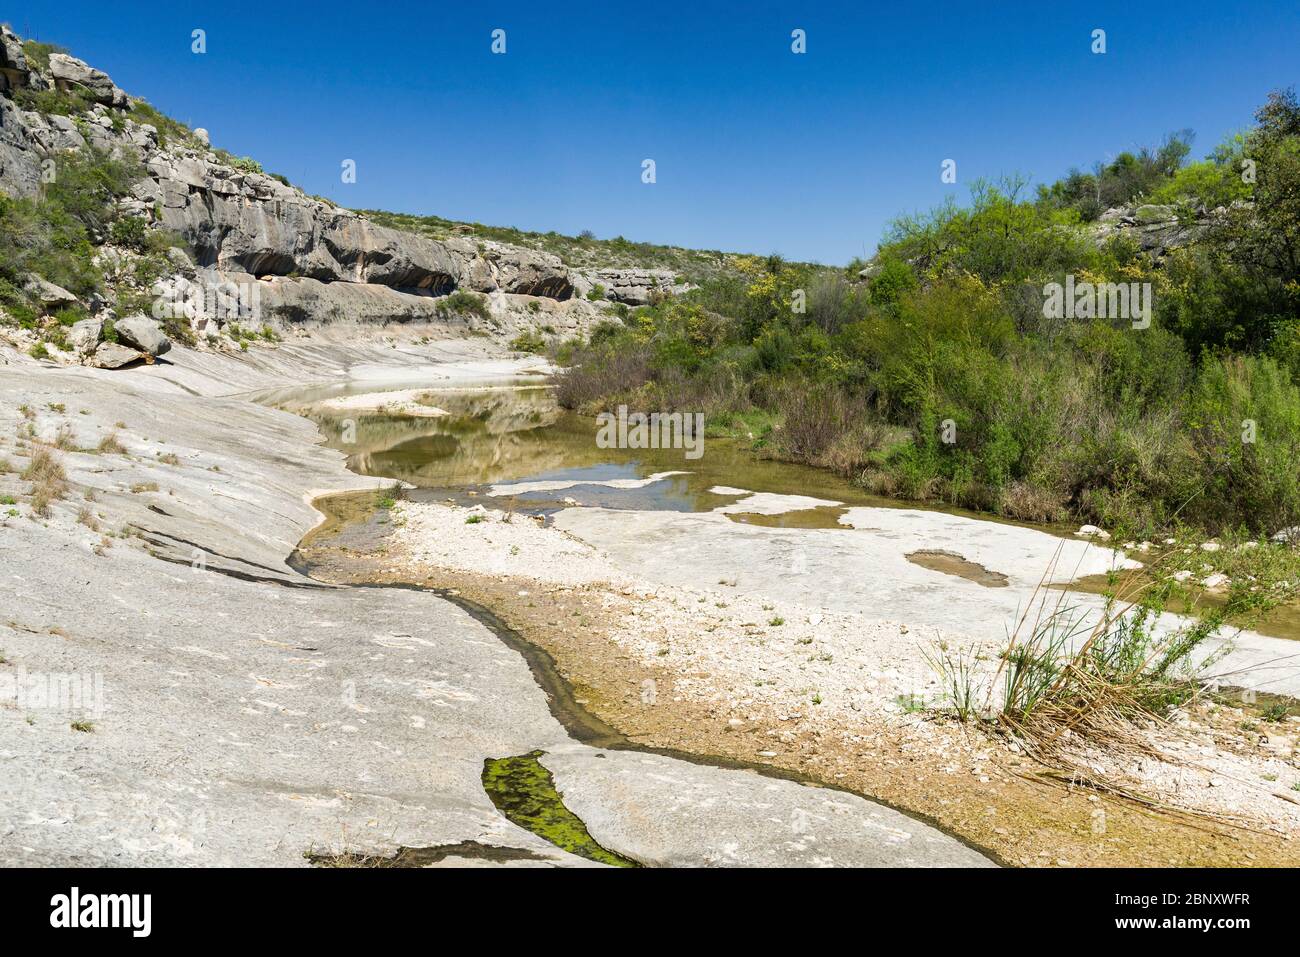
x,y
286,302
634,287
249,222
13,62
252,223
19,164
1156,229
69,72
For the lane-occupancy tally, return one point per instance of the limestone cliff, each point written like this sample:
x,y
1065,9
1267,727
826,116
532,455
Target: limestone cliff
x,y
315,261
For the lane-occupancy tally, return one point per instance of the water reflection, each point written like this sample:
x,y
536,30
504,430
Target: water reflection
x,y
511,431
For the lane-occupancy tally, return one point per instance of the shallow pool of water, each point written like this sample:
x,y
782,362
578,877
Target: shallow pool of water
x,y
512,432
499,439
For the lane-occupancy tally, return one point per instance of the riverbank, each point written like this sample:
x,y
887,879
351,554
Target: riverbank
x,y
693,660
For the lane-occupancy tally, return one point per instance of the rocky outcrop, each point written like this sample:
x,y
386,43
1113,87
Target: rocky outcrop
x,y
19,163
249,222
631,286
13,62
303,259
287,302
69,73
252,223
1156,229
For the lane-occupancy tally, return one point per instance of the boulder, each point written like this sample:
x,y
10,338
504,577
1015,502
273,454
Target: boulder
x,y
84,335
142,333
112,355
68,71
1154,214
1092,531
180,260
47,294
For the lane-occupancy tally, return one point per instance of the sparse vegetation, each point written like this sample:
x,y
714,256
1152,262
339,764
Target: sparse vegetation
x,y
48,478
695,265
111,445
1071,678
462,303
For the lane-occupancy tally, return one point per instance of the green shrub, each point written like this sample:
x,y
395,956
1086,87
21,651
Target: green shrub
x,y
38,54
40,236
169,130
54,102
128,231
529,341
245,164
89,181
463,303
1206,183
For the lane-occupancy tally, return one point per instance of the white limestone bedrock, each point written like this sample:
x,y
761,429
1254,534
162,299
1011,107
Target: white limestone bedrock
x,y
863,569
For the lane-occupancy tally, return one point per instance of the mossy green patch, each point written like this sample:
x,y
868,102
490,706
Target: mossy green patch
x,y
524,791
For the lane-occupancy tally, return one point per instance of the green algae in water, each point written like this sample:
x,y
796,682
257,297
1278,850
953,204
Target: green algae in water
x,y
524,791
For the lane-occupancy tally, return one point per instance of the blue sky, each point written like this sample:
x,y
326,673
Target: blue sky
x,y
757,149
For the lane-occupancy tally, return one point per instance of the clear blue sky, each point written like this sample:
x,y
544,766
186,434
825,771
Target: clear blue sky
x,y
757,149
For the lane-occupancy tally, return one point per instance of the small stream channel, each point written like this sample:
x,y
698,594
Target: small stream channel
x,y
512,431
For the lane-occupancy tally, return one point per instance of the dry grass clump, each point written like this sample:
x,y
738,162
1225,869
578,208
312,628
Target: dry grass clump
x,y
65,440
86,517
580,386
110,445
1029,503
49,480
827,427
1073,682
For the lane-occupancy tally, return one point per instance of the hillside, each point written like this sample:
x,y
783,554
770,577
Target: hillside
x,y
111,210
584,252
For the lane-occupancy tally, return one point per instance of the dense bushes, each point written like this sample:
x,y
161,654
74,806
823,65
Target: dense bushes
x,y
1127,177
53,236
941,377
